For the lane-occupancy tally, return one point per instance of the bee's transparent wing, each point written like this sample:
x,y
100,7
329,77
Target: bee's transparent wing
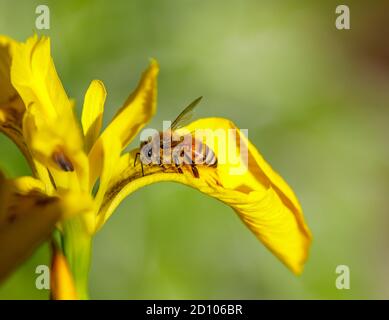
x,y
185,116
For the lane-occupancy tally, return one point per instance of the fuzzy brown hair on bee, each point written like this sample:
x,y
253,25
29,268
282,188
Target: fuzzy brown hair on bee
x,y
171,150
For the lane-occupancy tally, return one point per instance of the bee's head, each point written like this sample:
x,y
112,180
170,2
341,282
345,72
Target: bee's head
x,y
149,150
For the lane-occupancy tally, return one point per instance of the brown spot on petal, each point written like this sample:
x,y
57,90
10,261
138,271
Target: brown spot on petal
x,y
63,161
11,218
45,201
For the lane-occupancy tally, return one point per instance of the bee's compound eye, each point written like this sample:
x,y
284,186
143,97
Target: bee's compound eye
x,y
150,152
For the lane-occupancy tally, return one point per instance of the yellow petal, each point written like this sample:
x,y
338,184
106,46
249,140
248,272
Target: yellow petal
x,y
28,216
7,91
104,159
11,105
34,76
61,279
50,128
130,119
57,147
138,109
261,198
12,108
92,112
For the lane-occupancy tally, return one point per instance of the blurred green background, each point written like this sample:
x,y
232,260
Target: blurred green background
x,y
315,101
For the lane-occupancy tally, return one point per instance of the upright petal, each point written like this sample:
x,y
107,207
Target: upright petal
x,y
92,112
129,120
50,128
105,161
261,198
34,76
138,109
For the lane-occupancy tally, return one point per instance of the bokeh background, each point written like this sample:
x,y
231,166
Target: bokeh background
x,y
315,101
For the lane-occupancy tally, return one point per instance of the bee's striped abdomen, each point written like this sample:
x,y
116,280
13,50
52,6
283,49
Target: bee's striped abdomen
x,y
203,155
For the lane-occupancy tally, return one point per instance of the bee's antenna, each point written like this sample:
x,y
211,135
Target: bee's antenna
x,y
141,164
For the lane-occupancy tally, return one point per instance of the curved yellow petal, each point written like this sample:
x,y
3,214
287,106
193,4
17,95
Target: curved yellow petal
x,y
138,109
261,198
11,105
12,108
28,216
105,161
7,91
34,76
92,112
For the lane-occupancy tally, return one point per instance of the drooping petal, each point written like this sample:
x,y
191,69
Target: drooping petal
x,y
28,216
11,105
50,128
92,112
261,198
7,91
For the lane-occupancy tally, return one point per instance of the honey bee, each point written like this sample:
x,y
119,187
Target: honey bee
x,y
168,149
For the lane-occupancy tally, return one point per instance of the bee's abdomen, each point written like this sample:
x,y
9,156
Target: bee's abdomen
x,y
203,155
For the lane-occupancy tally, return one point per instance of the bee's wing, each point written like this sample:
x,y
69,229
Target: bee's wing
x,y
185,116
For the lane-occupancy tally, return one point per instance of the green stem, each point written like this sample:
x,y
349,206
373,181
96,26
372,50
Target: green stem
x,y
77,248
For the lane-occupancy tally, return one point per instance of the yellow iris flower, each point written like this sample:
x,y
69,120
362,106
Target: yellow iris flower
x,y
70,161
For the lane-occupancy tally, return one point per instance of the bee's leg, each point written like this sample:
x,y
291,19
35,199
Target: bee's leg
x,y
195,171
177,163
143,173
136,157
162,166
179,168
